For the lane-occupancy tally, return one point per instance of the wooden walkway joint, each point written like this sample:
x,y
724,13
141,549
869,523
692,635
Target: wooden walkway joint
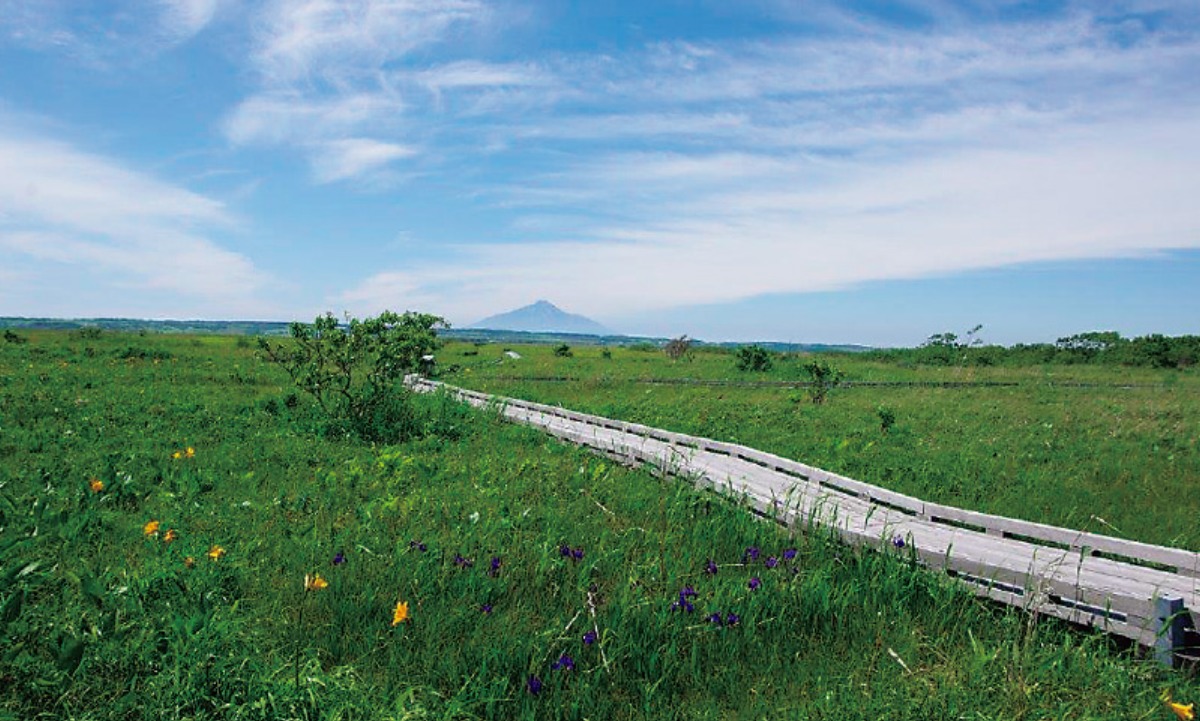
x,y
1139,591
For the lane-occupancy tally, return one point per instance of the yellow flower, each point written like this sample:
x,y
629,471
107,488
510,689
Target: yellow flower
x,y
1185,713
170,535
216,552
96,485
400,615
314,582
189,562
189,453
150,528
177,455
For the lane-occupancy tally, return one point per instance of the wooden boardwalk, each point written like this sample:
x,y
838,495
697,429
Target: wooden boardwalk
x,y
1139,591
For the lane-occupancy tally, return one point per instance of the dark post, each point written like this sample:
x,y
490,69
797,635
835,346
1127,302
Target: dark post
x,y
1169,624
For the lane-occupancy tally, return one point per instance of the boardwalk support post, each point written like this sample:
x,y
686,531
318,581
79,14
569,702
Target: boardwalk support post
x,y
1168,628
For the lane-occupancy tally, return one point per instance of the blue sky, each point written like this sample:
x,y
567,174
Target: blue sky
x,y
807,171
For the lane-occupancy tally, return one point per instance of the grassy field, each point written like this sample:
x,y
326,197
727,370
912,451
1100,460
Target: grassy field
x,y
1068,445
168,503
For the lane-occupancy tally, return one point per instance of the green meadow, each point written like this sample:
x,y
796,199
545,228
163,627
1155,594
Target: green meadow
x,y
182,536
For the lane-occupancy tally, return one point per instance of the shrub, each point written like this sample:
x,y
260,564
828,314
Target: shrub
x,y
89,332
353,371
887,418
677,348
753,358
563,351
822,379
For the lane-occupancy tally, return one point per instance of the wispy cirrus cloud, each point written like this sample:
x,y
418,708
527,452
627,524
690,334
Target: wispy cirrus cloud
x,y
337,40
849,144
351,157
332,79
106,35
804,163
69,213
186,18
778,233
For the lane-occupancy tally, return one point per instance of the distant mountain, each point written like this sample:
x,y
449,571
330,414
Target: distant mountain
x,y
542,316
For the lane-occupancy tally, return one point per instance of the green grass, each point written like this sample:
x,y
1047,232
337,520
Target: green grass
x,y
99,621
1114,460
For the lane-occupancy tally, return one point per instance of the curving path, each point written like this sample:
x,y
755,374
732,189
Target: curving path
x,y
1139,591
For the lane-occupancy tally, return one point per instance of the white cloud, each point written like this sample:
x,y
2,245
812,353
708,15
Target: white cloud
x,y
330,74
293,118
123,229
709,171
1111,191
352,157
306,39
105,35
476,74
186,18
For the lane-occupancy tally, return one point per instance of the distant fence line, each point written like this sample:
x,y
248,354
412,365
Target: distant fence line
x,y
842,384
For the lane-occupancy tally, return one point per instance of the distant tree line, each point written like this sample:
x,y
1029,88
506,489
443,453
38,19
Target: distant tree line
x,y
1096,347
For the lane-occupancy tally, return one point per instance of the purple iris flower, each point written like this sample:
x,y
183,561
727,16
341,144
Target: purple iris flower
x,y
494,567
564,551
710,567
732,619
772,562
564,663
754,583
898,541
589,638
534,684
462,562
418,546
485,608
789,554
716,618
683,604
339,558
751,554
577,553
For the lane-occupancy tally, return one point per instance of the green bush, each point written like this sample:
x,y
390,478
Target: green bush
x,y
822,378
753,358
354,371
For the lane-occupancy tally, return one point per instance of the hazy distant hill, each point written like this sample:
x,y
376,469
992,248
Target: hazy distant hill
x,y
542,317
469,334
